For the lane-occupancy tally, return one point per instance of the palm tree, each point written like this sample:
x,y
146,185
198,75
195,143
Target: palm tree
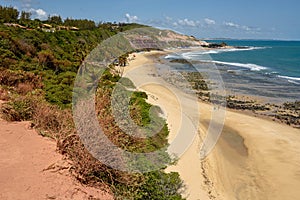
x,y
123,60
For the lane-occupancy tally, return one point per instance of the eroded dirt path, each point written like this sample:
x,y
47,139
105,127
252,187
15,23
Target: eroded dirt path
x,y
31,168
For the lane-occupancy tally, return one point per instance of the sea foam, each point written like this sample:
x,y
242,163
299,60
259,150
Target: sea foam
x,y
252,67
191,55
289,78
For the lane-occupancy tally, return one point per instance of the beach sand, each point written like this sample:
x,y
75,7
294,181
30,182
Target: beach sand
x,y
253,159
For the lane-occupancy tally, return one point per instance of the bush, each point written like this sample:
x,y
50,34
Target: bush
x,y
162,186
22,82
152,185
19,109
52,121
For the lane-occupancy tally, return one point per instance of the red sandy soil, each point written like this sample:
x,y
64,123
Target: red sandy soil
x,y
31,168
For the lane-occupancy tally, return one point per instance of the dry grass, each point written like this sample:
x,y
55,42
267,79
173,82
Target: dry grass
x,y
24,88
20,108
4,94
21,82
52,121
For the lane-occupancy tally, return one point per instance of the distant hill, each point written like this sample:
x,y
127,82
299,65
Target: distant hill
x,y
156,38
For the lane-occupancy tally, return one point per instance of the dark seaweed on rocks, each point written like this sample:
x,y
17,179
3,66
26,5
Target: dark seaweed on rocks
x,y
196,80
288,113
238,104
181,61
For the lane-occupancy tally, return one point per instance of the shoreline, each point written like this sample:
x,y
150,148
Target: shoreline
x,y
236,166
245,76
275,109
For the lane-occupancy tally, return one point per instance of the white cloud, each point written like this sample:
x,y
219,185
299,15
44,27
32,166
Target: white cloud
x,y
209,21
130,19
257,29
38,13
187,22
27,5
243,28
208,27
41,13
231,24
246,28
169,18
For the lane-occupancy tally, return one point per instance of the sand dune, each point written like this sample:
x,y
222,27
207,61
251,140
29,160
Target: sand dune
x,y
253,159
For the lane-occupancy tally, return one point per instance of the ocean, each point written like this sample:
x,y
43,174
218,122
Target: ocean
x,y
268,69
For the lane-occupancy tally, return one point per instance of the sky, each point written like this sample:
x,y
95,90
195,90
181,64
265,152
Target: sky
x,y
241,19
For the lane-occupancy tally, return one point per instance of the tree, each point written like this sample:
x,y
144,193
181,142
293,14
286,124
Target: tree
x,y
47,59
8,14
56,19
83,24
123,60
25,16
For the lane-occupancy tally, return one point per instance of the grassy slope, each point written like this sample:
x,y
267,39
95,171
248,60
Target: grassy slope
x,y
36,77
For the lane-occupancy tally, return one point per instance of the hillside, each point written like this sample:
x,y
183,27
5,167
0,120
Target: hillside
x,y
39,61
53,56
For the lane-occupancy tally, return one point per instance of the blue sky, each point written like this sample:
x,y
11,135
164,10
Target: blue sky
x,y
263,19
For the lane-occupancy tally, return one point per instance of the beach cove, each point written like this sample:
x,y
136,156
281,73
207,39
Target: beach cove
x,y
254,158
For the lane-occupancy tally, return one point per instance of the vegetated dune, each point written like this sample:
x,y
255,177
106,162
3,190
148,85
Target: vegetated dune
x,y
254,158
30,168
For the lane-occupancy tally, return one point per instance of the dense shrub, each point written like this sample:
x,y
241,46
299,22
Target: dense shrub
x,y
20,79
19,109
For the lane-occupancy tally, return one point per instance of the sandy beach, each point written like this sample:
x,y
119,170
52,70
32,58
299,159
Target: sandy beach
x,y
254,158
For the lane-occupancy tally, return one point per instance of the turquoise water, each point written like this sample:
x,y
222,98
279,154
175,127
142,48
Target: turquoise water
x,y
268,69
281,57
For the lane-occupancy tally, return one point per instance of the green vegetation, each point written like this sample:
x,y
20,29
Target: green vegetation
x,y
20,109
55,56
8,14
139,113
156,184
37,72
